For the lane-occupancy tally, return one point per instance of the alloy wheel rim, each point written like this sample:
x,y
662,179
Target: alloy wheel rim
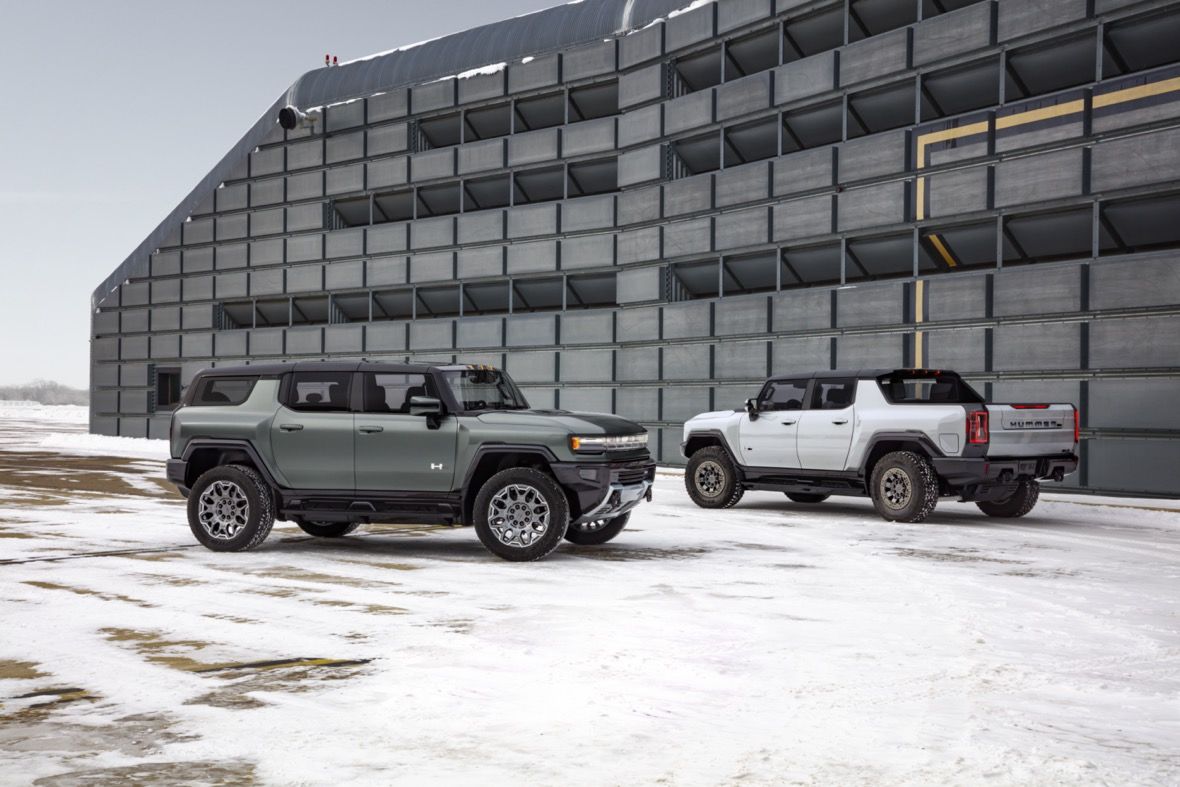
x,y
518,515
896,489
223,510
709,479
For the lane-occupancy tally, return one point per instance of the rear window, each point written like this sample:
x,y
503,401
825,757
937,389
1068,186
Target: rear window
x,y
223,391
928,389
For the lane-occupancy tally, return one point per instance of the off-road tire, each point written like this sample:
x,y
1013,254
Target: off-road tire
x,y
261,513
595,533
1019,504
327,529
914,472
559,516
730,491
806,497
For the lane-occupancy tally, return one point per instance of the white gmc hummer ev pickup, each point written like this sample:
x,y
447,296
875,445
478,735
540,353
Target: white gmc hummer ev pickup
x,y
903,437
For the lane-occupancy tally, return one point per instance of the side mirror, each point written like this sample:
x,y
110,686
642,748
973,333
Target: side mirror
x,y
425,405
752,409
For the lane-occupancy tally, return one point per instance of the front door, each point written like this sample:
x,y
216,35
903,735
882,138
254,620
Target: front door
x,y
396,451
311,435
769,440
825,427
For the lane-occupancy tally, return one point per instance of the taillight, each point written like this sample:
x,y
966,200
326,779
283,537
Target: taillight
x,y
1077,426
1030,407
977,429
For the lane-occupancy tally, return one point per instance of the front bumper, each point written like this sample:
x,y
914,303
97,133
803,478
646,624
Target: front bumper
x,y
176,471
961,471
605,490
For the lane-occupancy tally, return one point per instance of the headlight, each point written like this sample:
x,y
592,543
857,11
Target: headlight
x,y
628,442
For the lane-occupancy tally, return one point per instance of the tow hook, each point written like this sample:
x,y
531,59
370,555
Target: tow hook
x,y
647,497
1058,473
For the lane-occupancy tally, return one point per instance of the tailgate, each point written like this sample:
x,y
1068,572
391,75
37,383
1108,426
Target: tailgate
x,y
1031,429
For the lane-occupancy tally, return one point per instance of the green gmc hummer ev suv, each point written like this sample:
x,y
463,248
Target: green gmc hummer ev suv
x,y
331,445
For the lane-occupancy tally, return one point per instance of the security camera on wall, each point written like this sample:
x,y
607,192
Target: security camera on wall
x,y
292,117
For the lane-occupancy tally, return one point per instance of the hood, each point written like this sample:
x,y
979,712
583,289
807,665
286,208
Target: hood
x,y
563,420
717,414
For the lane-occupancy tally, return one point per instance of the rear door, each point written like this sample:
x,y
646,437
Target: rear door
x,y
312,433
825,427
396,451
769,441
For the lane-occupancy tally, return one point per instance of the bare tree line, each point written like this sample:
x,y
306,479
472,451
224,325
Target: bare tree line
x,y
45,392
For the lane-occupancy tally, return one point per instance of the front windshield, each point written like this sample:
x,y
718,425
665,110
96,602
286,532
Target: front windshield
x,y
484,389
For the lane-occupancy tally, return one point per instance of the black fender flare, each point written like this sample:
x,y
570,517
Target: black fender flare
x,y
492,449
932,450
245,446
719,437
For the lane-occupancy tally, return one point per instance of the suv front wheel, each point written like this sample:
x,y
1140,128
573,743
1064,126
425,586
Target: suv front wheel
x,y
521,514
230,509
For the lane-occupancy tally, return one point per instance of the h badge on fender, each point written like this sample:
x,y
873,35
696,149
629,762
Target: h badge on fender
x,y
433,466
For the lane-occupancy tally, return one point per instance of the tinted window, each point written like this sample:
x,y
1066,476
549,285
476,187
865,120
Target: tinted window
x,y
224,391
319,391
783,395
833,394
935,389
391,393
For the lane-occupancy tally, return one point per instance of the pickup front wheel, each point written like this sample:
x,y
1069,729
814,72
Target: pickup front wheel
x,y
904,487
1021,502
711,479
521,514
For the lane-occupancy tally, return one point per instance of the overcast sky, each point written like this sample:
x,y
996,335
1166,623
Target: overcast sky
x,y
112,111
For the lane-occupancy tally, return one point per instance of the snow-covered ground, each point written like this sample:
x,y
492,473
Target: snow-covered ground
x,y
770,644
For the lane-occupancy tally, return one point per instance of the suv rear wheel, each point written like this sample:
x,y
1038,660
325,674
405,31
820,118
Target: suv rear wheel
x,y
521,514
806,497
597,532
327,529
711,479
1019,504
230,509
904,487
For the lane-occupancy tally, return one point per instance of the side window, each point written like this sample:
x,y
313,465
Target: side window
x,y
224,391
833,394
391,393
167,388
783,395
319,391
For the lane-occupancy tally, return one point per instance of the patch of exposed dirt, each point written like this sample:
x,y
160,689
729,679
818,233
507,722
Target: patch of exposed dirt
x,y
70,474
19,670
956,556
302,575
369,609
87,592
160,774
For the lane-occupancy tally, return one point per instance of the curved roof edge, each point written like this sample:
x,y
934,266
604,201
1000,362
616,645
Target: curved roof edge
x,y
541,32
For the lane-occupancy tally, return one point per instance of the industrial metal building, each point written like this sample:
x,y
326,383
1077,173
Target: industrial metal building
x,y
645,209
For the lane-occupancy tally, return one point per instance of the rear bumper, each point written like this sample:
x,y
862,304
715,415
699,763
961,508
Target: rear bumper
x,y
960,471
605,490
176,471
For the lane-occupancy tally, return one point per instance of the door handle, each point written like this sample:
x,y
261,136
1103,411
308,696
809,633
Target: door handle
x,y
840,423
370,429
788,423
291,427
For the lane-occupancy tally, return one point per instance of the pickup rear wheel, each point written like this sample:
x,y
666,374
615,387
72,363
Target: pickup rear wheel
x,y
711,479
521,514
231,509
904,487
1019,504
806,497
327,529
598,532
